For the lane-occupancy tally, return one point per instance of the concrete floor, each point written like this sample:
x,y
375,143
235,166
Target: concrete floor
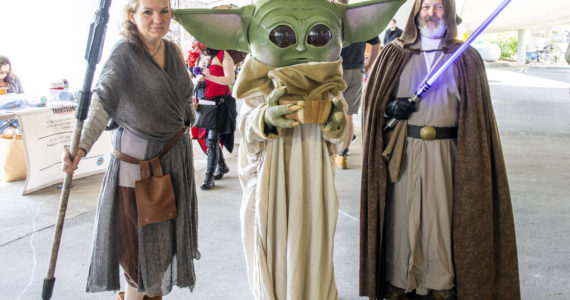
x,y
532,106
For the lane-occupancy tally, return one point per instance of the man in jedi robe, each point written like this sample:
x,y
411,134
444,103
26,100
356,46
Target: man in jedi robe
x,y
436,215
286,166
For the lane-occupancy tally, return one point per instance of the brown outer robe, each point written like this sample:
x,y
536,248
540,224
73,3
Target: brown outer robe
x,y
483,233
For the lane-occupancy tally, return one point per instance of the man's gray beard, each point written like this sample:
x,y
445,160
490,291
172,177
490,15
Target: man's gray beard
x,y
435,32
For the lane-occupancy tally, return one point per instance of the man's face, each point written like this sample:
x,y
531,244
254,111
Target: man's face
x,y
430,19
393,25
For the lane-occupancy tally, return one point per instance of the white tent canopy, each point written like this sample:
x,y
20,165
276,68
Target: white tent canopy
x,y
519,14
46,39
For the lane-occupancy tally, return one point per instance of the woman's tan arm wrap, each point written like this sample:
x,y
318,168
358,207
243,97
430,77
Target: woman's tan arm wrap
x,y
95,124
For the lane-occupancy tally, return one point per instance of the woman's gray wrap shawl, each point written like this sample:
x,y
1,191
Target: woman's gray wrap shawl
x,y
154,104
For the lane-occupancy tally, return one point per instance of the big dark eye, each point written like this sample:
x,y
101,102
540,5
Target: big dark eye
x,y
319,35
283,36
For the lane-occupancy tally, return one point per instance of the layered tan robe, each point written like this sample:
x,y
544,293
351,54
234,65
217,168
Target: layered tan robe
x,y
289,205
418,222
482,228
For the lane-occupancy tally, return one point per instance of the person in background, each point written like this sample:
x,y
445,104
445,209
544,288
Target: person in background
x,y
354,67
145,88
7,77
435,194
194,54
392,32
218,77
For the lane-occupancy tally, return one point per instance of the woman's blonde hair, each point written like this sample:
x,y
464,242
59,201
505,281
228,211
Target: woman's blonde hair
x,y
129,30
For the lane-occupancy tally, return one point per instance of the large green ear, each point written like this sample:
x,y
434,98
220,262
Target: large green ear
x,y
365,20
221,29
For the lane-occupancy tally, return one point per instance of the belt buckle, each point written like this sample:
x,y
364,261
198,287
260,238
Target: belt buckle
x,y
428,133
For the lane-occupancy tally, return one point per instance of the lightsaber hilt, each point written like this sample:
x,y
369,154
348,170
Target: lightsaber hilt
x,y
415,98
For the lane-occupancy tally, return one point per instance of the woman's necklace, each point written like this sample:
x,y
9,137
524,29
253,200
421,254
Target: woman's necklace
x,y
158,49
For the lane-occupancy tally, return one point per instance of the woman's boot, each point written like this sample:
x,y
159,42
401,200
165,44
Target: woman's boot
x,y
131,293
221,168
210,164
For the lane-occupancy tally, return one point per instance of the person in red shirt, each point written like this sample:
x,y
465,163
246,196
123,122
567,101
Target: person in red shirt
x,y
218,77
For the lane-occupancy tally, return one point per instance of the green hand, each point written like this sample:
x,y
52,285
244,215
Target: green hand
x,y
274,114
337,119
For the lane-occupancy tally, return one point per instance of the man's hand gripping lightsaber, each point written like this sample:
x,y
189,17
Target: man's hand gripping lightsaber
x,y
426,85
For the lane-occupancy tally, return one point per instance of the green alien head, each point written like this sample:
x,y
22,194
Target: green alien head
x,y
287,32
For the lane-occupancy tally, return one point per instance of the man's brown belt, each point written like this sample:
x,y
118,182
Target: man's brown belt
x,y
431,132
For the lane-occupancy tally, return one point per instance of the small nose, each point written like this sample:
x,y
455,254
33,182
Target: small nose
x,y
301,47
157,18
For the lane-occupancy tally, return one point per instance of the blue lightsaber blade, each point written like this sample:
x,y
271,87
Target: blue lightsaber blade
x,y
426,85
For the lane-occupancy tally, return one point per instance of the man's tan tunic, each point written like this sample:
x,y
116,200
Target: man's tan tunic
x,y
418,224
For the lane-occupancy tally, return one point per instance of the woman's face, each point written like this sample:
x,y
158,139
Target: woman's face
x,y
152,19
4,70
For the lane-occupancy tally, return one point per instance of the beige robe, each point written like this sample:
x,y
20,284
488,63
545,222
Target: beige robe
x,y
289,205
419,207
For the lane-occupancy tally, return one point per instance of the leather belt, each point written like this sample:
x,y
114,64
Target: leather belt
x,y
431,132
173,140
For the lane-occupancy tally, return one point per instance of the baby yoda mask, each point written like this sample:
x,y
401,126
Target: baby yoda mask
x,y
287,32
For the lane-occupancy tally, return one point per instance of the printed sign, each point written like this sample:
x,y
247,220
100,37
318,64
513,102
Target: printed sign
x,y
45,133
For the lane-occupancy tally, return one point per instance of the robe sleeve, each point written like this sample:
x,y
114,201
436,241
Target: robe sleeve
x,y
109,87
189,89
252,124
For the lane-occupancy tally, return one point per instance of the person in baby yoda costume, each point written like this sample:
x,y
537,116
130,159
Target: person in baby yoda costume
x,y
286,168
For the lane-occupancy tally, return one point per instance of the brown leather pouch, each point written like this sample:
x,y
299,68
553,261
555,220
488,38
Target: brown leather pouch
x,y
154,194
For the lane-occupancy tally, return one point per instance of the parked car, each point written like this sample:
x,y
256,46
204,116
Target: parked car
x,y
532,57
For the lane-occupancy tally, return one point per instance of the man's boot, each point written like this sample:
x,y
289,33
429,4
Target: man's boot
x,y
395,293
210,164
221,168
444,295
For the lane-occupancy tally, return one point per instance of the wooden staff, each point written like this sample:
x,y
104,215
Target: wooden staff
x,y
93,56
